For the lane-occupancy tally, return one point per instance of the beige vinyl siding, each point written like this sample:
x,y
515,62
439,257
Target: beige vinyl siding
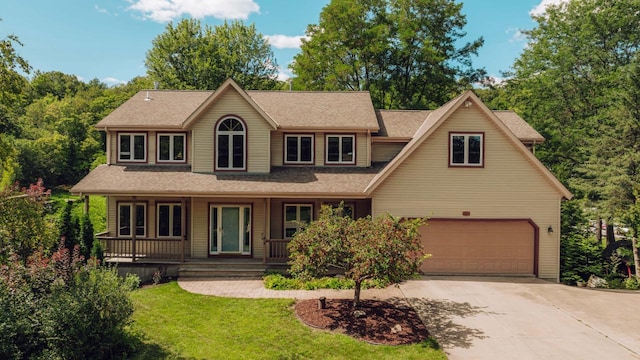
x,y
200,224
508,187
258,138
385,151
151,147
277,148
362,147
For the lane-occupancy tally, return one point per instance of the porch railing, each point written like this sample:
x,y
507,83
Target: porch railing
x,y
275,251
142,248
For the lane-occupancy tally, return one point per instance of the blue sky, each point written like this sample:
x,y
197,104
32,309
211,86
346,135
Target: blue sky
x,y
108,39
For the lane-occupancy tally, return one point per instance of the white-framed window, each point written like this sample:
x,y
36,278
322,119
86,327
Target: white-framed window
x,y
298,149
296,216
231,144
172,148
132,217
169,219
347,208
466,149
132,147
341,149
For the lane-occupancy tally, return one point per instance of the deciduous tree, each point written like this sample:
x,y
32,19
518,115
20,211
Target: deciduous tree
x,y
384,248
406,53
191,56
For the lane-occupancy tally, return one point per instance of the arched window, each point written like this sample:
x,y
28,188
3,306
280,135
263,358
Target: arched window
x,y
230,144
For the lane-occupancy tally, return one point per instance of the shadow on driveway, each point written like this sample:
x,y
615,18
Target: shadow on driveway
x,y
437,315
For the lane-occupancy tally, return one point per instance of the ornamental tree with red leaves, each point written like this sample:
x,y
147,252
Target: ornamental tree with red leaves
x,y
384,248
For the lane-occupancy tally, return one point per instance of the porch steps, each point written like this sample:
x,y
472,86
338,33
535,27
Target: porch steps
x,y
234,269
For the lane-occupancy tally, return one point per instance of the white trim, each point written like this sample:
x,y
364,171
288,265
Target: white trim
x,y
230,135
241,229
172,137
132,219
340,154
131,153
299,146
466,136
297,220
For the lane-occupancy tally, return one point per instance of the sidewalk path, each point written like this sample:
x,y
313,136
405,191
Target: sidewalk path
x,y
252,288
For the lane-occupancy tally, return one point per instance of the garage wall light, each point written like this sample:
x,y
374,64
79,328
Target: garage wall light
x,y
550,229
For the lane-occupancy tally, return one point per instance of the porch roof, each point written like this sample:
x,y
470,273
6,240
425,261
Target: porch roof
x,y
141,180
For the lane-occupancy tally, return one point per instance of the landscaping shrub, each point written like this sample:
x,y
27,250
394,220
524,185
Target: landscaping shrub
x,y
632,283
281,282
58,307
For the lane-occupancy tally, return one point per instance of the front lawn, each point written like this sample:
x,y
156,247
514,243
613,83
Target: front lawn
x,y
175,324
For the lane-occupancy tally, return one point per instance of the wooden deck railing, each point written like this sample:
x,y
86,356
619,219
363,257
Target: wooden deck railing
x,y
275,251
142,248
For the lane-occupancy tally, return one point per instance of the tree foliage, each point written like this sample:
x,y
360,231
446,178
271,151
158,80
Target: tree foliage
x,y
577,83
57,307
23,226
384,248
191,56
406,53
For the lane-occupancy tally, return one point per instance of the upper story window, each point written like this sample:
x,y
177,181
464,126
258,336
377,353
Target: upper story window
x,y
298,149
231,144
132,147
172,148
130,216
341,149
466,149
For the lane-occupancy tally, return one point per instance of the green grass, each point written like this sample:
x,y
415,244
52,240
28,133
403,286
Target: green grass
x,y
97,207
175,324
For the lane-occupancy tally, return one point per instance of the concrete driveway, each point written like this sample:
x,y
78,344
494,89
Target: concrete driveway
x,y
526,318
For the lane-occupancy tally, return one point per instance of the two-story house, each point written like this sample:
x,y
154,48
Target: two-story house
x,y
198,176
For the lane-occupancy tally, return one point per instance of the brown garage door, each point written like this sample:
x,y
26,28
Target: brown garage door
x,y
479,247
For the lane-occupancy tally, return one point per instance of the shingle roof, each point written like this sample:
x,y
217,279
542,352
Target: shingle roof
x,y
405,124
400,123
317,109
349,110
518,126
179,180
155,109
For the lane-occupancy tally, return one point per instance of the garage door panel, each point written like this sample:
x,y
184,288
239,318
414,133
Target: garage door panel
x,y
479,247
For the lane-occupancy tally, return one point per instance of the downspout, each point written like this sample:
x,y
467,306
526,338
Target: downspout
x,y
368,147
108,145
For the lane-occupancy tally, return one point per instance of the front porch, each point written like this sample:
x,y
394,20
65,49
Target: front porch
x,y
176,251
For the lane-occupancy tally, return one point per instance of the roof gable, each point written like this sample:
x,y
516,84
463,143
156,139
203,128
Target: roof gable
x,y
228,85
439,116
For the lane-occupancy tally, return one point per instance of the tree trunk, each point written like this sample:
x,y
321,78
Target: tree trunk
x,y
636,257
611,238
599,231
356,298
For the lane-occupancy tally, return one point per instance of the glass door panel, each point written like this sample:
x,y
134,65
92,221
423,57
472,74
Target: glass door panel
x,y
231,229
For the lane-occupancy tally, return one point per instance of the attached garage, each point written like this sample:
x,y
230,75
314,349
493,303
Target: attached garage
x,y
500,247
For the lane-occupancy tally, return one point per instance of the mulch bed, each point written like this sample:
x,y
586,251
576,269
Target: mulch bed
x,y
383,323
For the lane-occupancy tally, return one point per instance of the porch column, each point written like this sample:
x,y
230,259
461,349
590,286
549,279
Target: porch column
x,y
183,227
86,204
134,229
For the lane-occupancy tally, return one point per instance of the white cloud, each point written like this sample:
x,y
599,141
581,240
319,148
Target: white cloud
x,y
101,10
284,41
111,81
167,10
516,35
541,8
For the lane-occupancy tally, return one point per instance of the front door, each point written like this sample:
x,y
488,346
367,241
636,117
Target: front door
x,y
230,230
